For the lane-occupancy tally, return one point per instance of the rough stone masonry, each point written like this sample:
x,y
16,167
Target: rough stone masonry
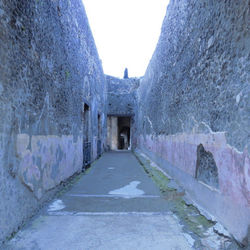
x,y
191,109
49,69
193,116
122,101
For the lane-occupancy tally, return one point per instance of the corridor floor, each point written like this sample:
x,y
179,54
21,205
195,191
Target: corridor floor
x,y
115,205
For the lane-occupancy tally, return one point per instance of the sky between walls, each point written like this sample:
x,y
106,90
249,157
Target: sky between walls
x,y
126,32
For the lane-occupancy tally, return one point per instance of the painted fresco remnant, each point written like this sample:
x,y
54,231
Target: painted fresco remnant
x,y
50,160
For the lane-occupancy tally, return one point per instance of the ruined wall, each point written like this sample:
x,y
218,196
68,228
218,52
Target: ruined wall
x,y
122,95
122,100
194,105
48,66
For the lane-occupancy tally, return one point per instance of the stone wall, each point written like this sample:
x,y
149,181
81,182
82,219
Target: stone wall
x,y
122,101
122,95
193,116
49,68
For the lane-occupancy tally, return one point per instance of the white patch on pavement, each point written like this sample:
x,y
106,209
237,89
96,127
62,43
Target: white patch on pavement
x,y
129,191
238,97
56,205
111,213
109,196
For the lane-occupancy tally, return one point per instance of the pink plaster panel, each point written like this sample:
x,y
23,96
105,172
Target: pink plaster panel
x,y
181,151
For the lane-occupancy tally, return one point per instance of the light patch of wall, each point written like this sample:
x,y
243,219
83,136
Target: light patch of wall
x,y
112,139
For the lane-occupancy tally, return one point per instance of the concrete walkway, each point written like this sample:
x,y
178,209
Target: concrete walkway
x,y
114,206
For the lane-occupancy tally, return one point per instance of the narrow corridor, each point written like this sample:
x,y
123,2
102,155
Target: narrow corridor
x,y
115,205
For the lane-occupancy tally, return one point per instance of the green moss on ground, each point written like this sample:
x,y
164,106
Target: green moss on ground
x,y
188,215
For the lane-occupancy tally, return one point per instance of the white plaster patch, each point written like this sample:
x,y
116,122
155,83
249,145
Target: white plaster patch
x,y
210,42
129,191
112,213
208,127
238,97
56,205
151,124
110,196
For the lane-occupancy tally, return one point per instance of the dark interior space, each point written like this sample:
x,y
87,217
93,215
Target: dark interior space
x,y
124,133
99,134
86,137
99,126
86,123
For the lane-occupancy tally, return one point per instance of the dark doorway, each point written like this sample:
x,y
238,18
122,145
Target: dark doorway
x,y
86,137
86,115
124,133
99,136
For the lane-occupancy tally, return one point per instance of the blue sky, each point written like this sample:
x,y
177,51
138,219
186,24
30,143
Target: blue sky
x,y
126,32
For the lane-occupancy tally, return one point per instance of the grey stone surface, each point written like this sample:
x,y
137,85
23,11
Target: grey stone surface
x,y
196,91
197,83
198,76
49,67
122,100
122,95
105,211
119,232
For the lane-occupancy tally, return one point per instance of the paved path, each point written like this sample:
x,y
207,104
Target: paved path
x,y
114,206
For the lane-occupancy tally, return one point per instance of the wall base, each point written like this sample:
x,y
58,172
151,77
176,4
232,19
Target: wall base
x,y
233,217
